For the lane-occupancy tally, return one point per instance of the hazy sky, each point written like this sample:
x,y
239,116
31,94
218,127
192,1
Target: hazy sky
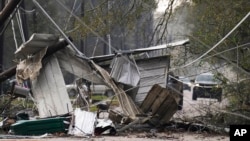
x,y
163,4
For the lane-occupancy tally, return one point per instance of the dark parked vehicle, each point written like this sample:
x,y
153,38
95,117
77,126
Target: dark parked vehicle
x,y
207,86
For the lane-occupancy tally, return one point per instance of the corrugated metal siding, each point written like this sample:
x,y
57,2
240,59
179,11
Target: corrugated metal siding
x,y
50,92
78,67
152,72
36,43
124,71
84,123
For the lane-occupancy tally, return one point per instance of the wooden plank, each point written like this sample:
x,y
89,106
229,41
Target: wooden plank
x,y
169,112
161,103
169,107
150,98
163,95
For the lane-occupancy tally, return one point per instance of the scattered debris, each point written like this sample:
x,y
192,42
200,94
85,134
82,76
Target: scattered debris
x,y
40,126
82,123
43,63
105,127
125,71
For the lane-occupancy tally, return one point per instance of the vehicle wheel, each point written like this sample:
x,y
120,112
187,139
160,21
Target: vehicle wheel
x,y
194,97
219,95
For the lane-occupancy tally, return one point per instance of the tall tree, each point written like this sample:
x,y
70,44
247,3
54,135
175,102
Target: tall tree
x,y
1,45
117,21
213,20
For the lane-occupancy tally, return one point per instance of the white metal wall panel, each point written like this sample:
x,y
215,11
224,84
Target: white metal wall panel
x,y
50,92
152,72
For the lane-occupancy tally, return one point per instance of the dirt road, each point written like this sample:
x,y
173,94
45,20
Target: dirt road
x,y
166,136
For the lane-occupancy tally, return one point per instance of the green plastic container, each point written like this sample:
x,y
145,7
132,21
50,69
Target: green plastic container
x,y
39,126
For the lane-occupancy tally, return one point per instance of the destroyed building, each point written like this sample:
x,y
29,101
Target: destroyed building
x,y
138,79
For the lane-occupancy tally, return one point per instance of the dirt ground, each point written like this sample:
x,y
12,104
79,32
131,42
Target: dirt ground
x,y
166,136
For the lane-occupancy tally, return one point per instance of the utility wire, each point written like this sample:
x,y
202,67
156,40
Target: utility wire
x,y
226,51
73,9
60,30
19,22
216,44
225,58
14,33
85,25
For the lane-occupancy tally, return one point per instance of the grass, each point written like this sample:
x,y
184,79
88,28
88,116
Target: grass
x,y
98,98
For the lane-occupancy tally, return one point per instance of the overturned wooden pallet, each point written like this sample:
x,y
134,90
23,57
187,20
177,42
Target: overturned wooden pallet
x,y
161,103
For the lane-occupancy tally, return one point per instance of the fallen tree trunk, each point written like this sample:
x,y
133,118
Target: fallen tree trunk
x,y
51,50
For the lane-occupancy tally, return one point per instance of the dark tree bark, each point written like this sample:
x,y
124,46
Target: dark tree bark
x,y
7,11
1,45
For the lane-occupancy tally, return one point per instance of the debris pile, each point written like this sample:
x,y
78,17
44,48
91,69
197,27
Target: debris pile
x,y
40,76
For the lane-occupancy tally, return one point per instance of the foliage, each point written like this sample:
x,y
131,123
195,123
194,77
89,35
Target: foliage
x,y
213,20
110,14
10,106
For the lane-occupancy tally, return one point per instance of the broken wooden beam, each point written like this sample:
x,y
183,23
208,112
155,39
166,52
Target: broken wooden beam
x,y
51,50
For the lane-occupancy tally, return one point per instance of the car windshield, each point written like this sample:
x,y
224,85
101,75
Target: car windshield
x,y
208,78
